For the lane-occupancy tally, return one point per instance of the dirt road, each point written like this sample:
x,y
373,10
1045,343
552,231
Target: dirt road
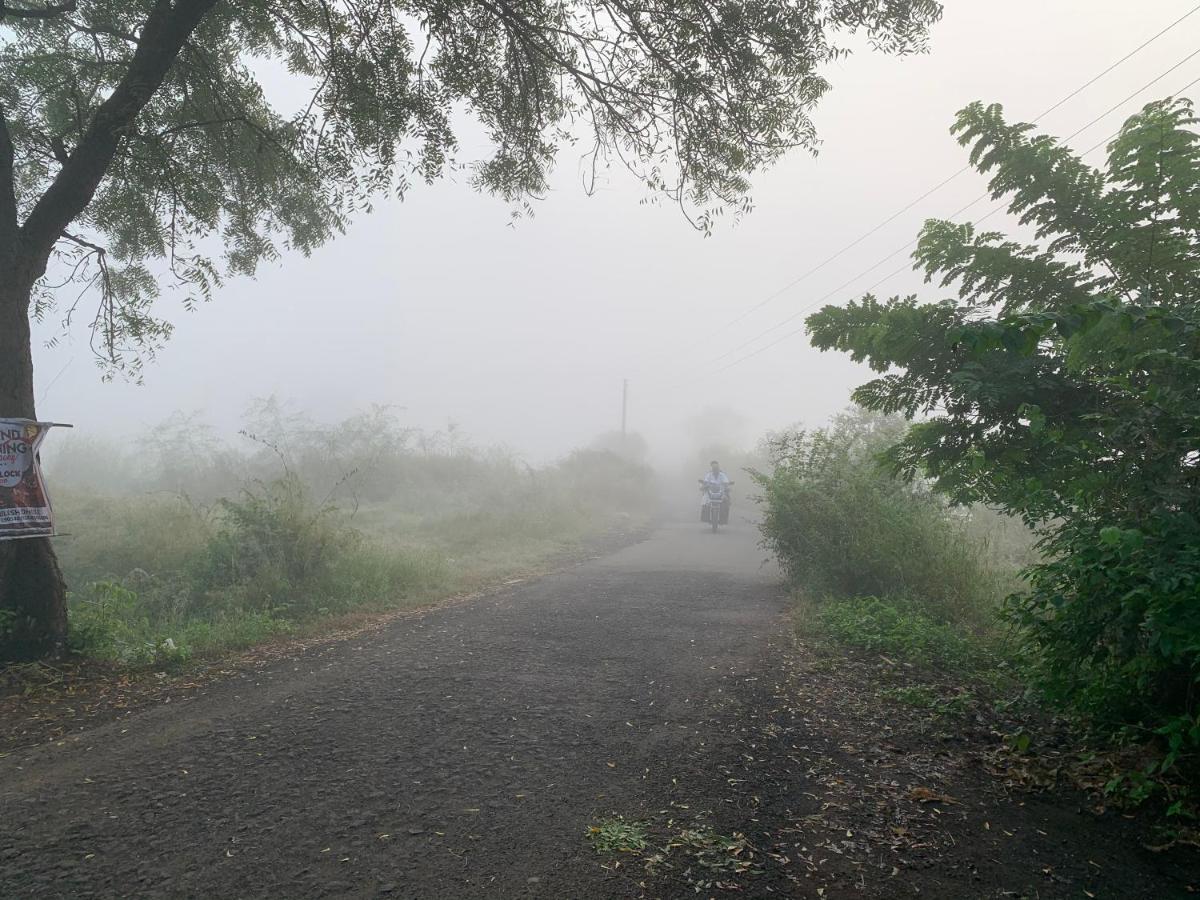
x,y
465,751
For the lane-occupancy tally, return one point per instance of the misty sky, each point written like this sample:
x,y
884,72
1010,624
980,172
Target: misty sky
x,y
522,334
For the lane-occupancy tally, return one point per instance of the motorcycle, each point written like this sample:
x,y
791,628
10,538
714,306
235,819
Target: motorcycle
x,y
715,507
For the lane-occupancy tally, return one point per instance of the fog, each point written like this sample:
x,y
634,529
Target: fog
x,y
521,331
402,572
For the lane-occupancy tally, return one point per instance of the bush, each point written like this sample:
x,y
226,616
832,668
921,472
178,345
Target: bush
x,y
273,546
108,622
900,628
1115,616
107,537
842,526
267,560
604,481
584,493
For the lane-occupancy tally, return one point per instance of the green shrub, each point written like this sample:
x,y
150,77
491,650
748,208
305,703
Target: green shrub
x,y
901,628
842,526
584,493
8,620
107,622
267,560
1114,614
204,637
942,703
273,547
108,537
601,480
374,574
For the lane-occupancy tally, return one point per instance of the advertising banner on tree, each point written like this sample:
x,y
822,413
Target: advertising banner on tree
x,y
24,503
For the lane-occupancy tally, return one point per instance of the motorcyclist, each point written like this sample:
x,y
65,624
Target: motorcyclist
x,y
716,476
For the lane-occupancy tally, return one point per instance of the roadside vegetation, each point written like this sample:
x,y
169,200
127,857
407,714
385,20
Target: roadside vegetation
x,y
883,564
194,547
930,601
1059,386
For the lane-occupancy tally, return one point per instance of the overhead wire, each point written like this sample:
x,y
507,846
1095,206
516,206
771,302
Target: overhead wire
x,y
906,265
941,184
839,253
958,212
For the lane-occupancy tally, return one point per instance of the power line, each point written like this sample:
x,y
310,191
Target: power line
x,y
869,289
837,290
902,268
807,306
845,249
1145,87
941,184
1136,50
954,214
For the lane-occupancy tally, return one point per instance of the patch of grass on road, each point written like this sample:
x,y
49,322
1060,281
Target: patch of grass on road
x,y
617,835
707,858
946,669
696,855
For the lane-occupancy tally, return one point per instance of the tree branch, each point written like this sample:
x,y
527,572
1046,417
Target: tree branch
x,y
49,11
166,29
87,245
97,30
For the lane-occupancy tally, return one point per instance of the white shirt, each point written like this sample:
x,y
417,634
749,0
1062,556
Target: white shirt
x,y
718,478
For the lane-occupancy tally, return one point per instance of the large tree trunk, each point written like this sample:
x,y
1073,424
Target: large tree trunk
x,y
33,602
33,609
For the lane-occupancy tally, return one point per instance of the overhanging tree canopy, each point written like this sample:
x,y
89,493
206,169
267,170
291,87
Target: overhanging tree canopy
x,y
143,141
148,127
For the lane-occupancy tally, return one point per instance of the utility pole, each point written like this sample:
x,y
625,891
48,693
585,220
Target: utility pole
x,y
624,407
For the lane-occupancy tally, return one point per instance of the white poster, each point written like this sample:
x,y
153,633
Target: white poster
x,y
24,503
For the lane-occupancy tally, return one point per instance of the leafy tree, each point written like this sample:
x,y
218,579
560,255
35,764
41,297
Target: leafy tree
x,y
143,142
1063,383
